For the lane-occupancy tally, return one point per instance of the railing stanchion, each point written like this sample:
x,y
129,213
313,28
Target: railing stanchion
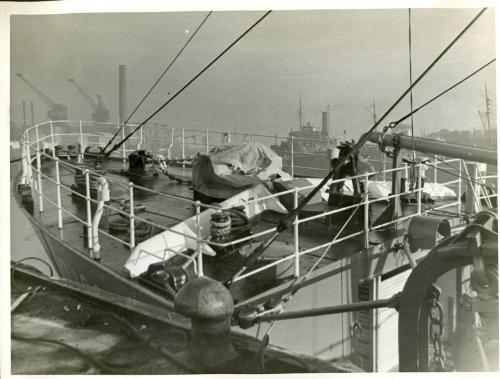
x,y
82,146
435,168
124,153
366,218
472,203
296,234
198,240
52,138
382,159
89,212
249,137
39,171
459,194
183,144
58,188
131,214
140,138
207,141
419,190
291,157
28,157
169,151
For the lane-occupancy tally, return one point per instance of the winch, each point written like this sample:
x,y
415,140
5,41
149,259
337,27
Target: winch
x,y
337,197
165,276
141,163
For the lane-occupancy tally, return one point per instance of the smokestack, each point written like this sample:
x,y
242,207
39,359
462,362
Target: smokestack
x,y
122,93
325,124
32,114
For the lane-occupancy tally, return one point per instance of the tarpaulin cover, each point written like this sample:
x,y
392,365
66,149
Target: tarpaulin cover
x,y
228,169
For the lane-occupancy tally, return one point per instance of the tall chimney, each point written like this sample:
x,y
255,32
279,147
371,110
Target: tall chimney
x,y
32,114
325,124
122,93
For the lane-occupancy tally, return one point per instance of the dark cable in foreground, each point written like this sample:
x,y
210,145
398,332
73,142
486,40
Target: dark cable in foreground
x,y
103,369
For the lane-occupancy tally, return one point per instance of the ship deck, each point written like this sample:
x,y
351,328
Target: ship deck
x,y
114,253
63,328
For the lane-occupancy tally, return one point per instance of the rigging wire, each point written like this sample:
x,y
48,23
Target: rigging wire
x,y
116,146
282,225
316,263
443,92
364,138
157,80
285,222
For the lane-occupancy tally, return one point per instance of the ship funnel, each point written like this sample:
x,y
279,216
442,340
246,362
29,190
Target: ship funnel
x,y
325,124
122,93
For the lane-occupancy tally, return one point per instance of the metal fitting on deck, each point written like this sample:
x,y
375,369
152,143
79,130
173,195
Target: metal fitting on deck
x,y
26,197
209,305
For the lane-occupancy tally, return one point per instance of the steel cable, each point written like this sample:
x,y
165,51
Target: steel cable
x,y
157,80
442,93
116,146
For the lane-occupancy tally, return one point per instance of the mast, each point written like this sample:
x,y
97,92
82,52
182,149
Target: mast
x,y
488,111
374,113
300,112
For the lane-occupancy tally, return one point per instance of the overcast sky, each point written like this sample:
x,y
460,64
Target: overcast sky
x,y
341,58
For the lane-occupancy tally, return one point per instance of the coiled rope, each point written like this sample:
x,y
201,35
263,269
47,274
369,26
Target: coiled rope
x,y
223,223
142,229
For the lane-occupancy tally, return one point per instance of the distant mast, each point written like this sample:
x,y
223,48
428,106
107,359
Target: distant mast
x,y
300,112
486,119
374,112
488,111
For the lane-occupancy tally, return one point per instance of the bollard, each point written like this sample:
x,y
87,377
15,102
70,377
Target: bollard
x,y
209,305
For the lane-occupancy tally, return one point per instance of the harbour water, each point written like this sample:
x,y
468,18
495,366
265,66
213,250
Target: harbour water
x,y
24,242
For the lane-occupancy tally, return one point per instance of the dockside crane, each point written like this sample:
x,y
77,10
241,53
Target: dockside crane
x,y
56,111
100,113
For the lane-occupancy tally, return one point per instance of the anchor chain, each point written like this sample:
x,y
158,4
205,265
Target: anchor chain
x,y
436,328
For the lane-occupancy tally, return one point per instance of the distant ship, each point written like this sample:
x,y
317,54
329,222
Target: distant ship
x,y
309,147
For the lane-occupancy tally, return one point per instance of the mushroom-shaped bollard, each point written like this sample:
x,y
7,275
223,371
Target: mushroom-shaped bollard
x,y
209,305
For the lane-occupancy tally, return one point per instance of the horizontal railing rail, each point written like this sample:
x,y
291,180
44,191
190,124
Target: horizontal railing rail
x,y
35,144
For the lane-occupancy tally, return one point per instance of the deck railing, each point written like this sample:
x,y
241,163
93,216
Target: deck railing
x,y
33,152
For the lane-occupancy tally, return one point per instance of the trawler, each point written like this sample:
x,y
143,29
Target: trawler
x,y
147,239
347,265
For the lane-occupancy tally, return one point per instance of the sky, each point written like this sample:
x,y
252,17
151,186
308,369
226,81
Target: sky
x,y
341,59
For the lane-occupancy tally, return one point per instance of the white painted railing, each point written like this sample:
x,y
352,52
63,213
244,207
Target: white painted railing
x,y
33,145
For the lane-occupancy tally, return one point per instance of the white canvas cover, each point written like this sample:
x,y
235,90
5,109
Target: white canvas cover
x,y
228,169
